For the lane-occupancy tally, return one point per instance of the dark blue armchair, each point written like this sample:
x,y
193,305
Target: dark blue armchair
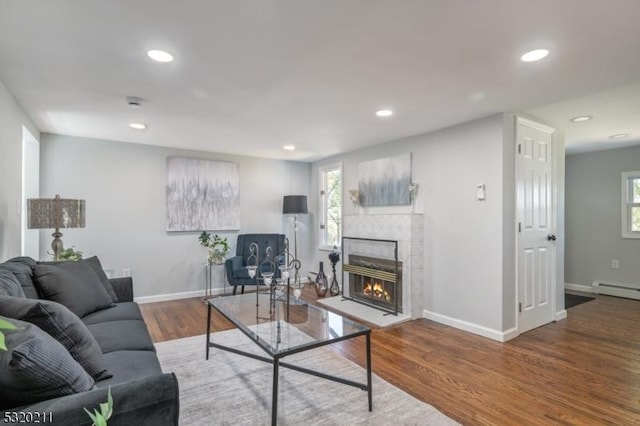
x,y
236,267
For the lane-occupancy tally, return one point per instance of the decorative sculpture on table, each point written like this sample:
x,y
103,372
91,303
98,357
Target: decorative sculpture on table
x,y
321,282
334,257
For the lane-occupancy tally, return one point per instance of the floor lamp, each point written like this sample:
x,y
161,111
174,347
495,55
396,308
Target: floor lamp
x,y
295,205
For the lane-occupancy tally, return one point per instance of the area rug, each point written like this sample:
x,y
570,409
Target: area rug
x,y
230,389
571,300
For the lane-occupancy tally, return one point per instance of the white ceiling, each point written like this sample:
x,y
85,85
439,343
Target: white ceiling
x,y
250,76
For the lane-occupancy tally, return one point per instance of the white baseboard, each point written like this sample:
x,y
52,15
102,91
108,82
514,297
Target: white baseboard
x,y
560,315
176,296
500,336
578,287
630,291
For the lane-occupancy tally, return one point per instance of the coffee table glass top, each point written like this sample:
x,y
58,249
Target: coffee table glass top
x,y
280,332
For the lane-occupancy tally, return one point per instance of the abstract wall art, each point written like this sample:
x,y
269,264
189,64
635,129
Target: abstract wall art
x,y
202,195
385,181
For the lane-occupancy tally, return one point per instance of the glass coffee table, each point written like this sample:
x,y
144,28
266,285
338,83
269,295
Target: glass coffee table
x,y
282,328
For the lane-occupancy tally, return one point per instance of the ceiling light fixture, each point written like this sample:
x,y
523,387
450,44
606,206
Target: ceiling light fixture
x,y
581,119
160,55
289,147
138,126
619,136
384,113
534,55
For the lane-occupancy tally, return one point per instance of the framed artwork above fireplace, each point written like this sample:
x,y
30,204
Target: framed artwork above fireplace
x,y
385,181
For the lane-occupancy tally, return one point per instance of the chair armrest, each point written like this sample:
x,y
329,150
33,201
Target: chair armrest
x,y
123,288
150,401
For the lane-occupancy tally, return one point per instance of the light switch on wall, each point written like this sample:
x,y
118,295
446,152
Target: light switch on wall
x,y
481,192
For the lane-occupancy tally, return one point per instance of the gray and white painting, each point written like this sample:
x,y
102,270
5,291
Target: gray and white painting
x,y
385,181
202,195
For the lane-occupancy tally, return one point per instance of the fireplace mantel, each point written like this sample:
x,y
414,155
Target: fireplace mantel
x,y
408,230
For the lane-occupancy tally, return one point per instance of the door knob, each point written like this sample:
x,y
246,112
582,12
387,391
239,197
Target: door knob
x,y
551,237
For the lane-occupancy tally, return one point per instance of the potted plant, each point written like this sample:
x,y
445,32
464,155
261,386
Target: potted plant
x,y
69,254
218,247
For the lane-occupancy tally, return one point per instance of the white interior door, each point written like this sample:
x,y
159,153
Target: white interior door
x,y
535,245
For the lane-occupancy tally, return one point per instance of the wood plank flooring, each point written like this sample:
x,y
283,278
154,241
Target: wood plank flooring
x,y
584,370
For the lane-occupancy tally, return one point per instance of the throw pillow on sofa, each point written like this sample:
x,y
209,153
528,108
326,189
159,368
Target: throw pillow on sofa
x,y
35,367
72,284
94,262
9,284
64,326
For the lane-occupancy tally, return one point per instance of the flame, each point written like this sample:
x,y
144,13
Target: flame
x,y
378,291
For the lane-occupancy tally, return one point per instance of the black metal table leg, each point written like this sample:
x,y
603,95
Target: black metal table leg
x,y
274,395
369,389
208,329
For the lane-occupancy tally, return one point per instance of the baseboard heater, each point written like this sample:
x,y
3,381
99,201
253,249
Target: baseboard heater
x,y
617,289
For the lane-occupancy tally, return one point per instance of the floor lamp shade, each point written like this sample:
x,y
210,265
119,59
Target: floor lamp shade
x,y
294,204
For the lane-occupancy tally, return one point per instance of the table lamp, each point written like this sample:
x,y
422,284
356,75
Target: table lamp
x,y
56,213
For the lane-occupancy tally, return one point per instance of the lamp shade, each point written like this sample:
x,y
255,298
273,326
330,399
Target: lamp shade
x,y
294,204
55,213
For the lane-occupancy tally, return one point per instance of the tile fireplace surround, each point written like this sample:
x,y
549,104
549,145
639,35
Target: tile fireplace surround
x,y
408,230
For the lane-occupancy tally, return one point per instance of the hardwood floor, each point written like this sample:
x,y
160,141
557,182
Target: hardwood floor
x,y
582,370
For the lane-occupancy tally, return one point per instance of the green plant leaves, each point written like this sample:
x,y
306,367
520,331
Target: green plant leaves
x,y
4,325
106,410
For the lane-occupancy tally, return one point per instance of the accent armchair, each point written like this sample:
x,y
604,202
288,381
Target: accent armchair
x,y
236,267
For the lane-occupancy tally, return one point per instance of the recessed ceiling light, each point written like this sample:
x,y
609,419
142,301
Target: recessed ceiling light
x,y
619,136
160,55
138,126
581,118
289,147
535,55
384,113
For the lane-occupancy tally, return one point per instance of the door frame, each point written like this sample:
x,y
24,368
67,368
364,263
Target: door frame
x,y
519,120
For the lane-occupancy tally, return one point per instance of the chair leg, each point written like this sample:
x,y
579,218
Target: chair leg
x,y
235,288
242,289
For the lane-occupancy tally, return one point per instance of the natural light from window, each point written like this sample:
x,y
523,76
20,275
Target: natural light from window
x,y
631,204
331,202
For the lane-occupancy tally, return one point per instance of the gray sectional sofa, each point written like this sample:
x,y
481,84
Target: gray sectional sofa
x,y
106,337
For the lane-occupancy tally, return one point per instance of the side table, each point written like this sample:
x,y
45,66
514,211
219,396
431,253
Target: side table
x,y
208,277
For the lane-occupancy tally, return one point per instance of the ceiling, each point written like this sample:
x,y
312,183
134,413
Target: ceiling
x,y
251,76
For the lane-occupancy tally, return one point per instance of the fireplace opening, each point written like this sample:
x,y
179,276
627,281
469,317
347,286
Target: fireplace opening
x,y
374,281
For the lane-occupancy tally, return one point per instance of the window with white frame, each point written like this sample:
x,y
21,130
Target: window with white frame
x,y
631,204
331,205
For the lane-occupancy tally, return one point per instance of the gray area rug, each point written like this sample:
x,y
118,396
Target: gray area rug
x,y
230,389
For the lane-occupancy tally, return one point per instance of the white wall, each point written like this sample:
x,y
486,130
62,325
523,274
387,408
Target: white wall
x,y
12,120
469,253
124,188
593,206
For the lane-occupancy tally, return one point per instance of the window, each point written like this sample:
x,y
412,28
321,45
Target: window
x,y
331,203
631,204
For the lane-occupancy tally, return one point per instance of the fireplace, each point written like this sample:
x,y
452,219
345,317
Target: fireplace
x,y
375,281
404,235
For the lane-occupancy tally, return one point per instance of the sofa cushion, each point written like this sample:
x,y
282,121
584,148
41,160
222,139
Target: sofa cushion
x,y
94,262
123,335
36,367
64,326
130,365
9,284
122,311
73,284
21,267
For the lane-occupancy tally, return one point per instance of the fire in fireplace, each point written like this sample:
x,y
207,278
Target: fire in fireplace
x,y
374,281
377,291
